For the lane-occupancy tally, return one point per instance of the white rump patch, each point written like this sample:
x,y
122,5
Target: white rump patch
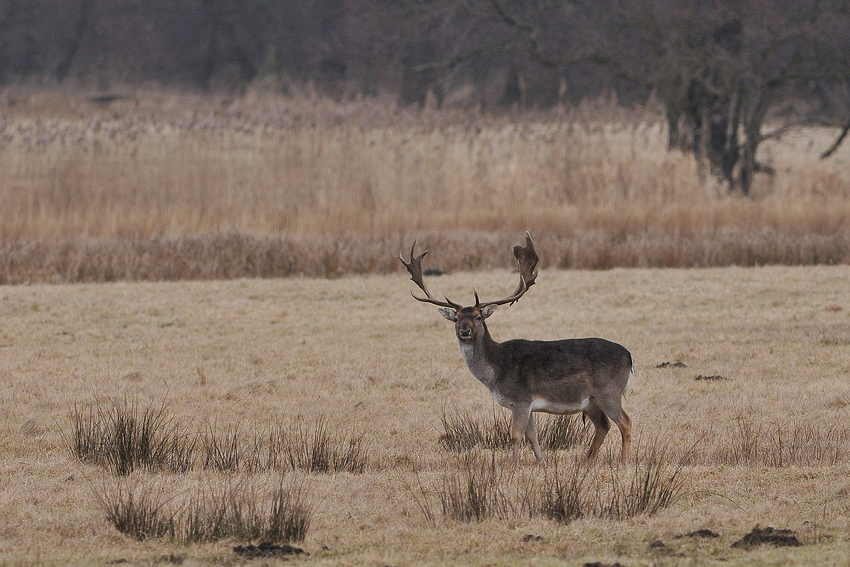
x,y
631,375
542,404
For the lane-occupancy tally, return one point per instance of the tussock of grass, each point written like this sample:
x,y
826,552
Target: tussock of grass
x,y
142,509
238,512
752,442
475,492
479,488
122,438
137,511
562,497
654,482
464,431
316,448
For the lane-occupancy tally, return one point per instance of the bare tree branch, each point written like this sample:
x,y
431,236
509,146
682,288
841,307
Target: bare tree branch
x,y
837,142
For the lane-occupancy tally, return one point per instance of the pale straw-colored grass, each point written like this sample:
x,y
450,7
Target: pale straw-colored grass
x,y
157,165
362,353
181,187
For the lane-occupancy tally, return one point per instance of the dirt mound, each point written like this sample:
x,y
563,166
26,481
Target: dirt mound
x,y
760,536
703,533
265,550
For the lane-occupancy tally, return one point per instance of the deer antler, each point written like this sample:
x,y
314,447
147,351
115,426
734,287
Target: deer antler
x,y
415,269
526,259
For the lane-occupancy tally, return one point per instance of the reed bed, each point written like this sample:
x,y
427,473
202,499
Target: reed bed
x,y
231,255
156,186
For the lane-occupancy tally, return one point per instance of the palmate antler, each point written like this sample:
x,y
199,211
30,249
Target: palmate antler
x,y
526,262
415,269
526,259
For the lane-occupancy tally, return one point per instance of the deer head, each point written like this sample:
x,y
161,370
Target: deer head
x,y
469,321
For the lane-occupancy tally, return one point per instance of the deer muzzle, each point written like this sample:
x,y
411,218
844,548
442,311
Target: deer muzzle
x,y
464,333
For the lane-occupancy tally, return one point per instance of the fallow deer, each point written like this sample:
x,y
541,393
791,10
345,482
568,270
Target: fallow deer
x,y
558,377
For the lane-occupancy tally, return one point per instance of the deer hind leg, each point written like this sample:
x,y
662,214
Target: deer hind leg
x,y
602,425
531,435
614,411
521,421
625,425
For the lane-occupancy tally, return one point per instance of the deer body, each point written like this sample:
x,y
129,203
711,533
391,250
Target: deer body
x,y
561,377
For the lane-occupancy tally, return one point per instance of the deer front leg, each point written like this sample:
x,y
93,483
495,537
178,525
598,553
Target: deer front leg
x,y
531,435
520,418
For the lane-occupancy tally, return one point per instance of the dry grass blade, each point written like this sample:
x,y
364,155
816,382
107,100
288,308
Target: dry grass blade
x,y
420,496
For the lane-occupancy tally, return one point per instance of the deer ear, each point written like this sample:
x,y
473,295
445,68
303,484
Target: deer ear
x,y
487,311
449,314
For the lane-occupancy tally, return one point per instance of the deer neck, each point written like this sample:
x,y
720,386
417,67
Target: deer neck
x,y
481,356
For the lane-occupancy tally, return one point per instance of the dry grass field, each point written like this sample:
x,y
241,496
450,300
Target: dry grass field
x,y
158,186
767,445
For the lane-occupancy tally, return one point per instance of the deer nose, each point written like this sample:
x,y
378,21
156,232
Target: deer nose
x,y
465,332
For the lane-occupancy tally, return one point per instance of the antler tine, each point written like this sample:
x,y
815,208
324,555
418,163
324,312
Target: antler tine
x,y
414,267
527,263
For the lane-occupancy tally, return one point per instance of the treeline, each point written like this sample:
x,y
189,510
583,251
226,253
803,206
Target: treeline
x,y
342,47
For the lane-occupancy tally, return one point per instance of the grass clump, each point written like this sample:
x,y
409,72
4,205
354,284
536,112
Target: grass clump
x,y
475,492
796,443
315,448
123,436
232,511
479,488
137,511
463,431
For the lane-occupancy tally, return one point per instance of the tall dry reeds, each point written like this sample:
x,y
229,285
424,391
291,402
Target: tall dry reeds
x,y
143,188
232,254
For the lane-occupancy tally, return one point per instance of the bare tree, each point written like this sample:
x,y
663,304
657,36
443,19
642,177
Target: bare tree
x,y
721,67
